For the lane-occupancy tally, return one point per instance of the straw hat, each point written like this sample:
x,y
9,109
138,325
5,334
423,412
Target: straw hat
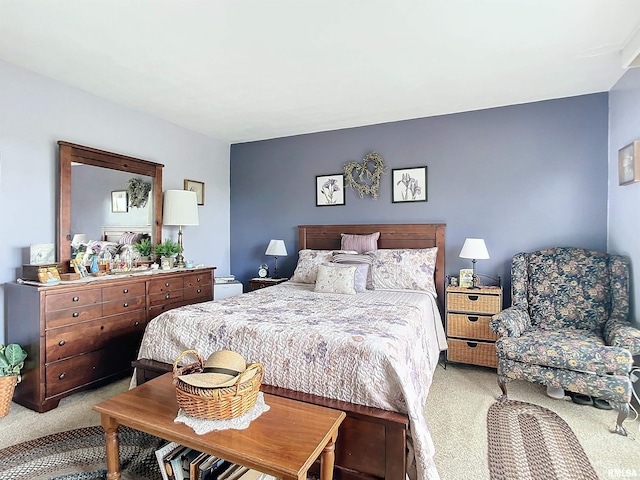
x,y
222,369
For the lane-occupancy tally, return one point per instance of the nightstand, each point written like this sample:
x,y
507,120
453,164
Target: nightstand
x,y
257,283
469,336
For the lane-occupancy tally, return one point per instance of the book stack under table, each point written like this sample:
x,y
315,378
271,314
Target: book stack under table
x,y
178,462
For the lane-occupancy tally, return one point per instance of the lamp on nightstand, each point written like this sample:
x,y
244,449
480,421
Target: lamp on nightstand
x,y
180,208
276,249
474,249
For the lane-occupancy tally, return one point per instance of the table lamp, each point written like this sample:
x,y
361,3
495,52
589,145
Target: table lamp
x,y
277,249
474,249
180,208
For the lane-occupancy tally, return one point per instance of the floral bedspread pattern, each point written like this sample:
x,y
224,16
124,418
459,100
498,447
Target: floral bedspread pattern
x,y
378,348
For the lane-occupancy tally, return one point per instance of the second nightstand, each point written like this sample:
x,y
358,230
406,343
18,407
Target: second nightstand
x,y
257,283
469,336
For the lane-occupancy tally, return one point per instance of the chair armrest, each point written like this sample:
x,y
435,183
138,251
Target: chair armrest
x,y
620,333
510,322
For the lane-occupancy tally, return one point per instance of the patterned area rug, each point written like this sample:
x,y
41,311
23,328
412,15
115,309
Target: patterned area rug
x,y
80,455
531,442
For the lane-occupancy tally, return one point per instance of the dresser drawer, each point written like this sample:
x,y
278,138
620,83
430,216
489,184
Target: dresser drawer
x,y
165,298
473,303
61,301
470,326
88,336
476,353
197,279
165,285
201,293
124,305
73,315
110,294
83,369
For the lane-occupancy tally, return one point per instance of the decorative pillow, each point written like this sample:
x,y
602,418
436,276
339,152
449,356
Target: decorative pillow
x,y
354,259
130,238
360,278
308,261
405,268
336,279
360,243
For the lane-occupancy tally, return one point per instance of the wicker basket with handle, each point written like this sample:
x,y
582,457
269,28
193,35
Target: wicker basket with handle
x,y
222,403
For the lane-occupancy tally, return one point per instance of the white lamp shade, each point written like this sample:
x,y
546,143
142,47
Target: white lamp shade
x,y
474,249
276,248
78,239
180,208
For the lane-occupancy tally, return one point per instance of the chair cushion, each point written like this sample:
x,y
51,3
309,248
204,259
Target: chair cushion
x,y
569,349
568,287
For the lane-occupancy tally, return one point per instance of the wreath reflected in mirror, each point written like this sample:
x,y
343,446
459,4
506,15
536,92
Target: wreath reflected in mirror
x,y
138,193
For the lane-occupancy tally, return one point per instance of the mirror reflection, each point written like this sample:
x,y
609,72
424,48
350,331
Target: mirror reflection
x,y
101,198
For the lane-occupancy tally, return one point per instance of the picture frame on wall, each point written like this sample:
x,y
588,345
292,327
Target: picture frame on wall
x,y
330,190
629,164
195,186
409,184
119,201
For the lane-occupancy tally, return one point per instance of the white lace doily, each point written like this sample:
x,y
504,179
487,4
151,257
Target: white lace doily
x,y
202,426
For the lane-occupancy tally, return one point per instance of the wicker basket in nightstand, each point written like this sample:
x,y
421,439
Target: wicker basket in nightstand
x,y
468,334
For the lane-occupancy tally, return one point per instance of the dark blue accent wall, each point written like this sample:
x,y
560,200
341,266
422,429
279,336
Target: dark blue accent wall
x,y
522,177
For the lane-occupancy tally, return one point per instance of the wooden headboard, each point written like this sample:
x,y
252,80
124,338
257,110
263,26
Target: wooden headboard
x,y
113,233
392,235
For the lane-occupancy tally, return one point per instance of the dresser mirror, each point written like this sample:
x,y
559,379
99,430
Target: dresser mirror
x,y
85,190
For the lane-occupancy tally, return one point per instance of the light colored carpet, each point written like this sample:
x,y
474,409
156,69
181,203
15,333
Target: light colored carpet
x,y
456,413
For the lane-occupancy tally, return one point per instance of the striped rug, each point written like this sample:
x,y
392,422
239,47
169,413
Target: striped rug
x,y
528,441
80,455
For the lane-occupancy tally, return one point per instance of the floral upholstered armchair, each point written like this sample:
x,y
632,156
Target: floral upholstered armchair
x,y
567,326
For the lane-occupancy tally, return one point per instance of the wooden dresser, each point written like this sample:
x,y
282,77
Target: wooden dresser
x,y
81,335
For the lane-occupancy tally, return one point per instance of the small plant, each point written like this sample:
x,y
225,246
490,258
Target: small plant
x,y
143,247
168,248
11,360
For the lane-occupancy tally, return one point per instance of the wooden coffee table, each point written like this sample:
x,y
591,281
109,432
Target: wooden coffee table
x,y
284,441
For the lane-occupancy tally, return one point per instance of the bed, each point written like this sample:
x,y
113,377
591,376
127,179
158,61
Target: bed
x,y
113,233
377,370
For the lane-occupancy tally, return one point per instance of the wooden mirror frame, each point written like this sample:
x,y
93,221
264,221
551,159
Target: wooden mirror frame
x,y
70,152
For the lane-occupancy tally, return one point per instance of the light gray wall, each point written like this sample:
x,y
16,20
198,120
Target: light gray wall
x,y
522,177
624,225
36,112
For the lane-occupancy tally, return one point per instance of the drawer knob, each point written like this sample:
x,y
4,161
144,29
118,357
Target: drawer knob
x,y
136,324
198,279
75,314
199,290
75,299
126,290
61,376
472,344
125,304
473,319
101,327
167,296
61,342
167,284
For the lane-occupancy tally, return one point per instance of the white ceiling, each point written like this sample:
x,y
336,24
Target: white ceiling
x,y
241,70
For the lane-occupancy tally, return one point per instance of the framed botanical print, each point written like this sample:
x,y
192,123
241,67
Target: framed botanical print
x,y
330,190
409,184
629,164
195,186
119,201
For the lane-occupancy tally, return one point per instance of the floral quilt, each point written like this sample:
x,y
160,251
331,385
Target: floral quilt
x,y
378,348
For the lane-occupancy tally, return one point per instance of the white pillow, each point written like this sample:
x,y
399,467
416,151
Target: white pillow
x,y
307,268
405,268
360,277
336,279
